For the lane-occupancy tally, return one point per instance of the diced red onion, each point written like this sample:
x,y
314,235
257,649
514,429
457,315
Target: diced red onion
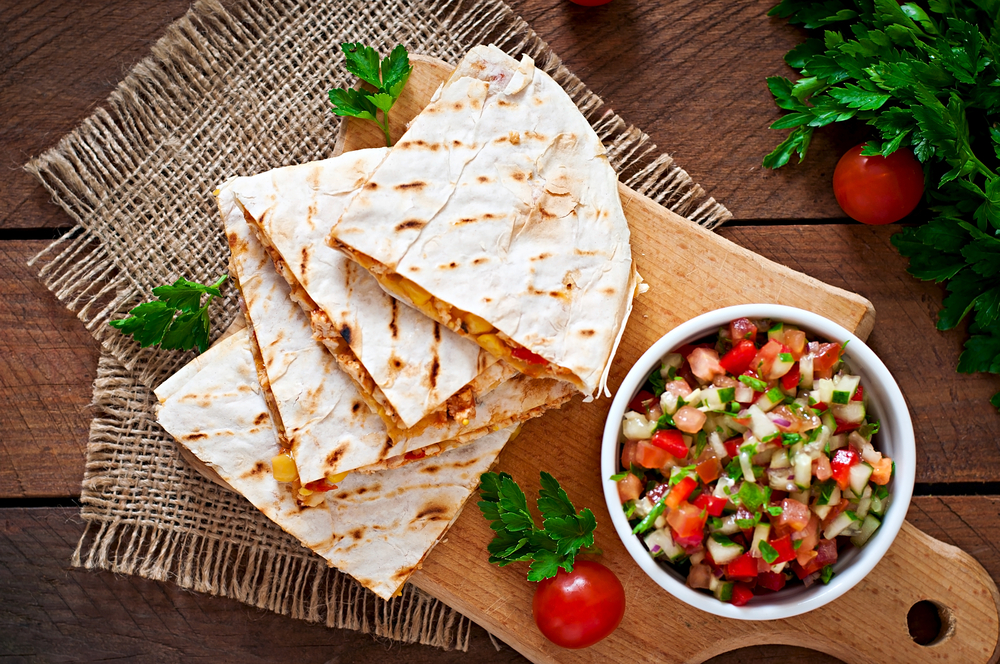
x,y
811,579
781,422
655,549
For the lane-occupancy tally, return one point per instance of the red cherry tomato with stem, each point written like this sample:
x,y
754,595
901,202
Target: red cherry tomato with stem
x,y
579,608
878,190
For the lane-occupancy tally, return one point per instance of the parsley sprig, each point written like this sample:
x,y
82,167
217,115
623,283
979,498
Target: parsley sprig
x,y
564,533
176,319
386,75
923,76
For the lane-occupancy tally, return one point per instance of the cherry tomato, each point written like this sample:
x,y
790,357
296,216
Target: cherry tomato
x,y
579,608
878,190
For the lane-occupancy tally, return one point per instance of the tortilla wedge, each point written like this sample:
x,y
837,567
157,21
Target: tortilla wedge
x,y
377,527
497,214
315,407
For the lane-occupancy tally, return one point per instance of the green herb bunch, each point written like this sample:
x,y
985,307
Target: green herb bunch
x,y
563,534
387,76
925,76
176,319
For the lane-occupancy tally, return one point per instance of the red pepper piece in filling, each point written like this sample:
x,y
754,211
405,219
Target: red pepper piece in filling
x,y
527,356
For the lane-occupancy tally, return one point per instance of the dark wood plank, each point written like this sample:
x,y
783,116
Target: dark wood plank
x,y
52,612
958,432
59,59
48,361
692,75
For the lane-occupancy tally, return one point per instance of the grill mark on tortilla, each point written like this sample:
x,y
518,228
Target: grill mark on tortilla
x,y
534,135
260,419
432,511
541,257
195,436
333,457
345,333
258,469
430,469
410,223
435,369
437,331
396,362
371,186
392,323
355,406
587,333
466,220
410,185
358,533
517,175
504,102
450,266
420,143
304,265
478,261
608,291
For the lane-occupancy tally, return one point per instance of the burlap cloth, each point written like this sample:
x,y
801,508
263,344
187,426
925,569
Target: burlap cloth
x,y
226,91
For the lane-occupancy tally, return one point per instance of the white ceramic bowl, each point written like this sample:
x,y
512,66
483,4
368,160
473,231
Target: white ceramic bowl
x,y
895,438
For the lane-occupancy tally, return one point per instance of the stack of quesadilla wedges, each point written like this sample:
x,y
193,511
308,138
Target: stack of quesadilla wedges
x,y
406,303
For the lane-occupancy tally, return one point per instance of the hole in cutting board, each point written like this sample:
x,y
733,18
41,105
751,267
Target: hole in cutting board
x,y
928,622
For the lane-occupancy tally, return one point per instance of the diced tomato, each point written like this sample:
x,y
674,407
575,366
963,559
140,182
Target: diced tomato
x,y
785,549
709,471
687,519
808,536
840,466
672,441
638,402
689,419
648,455
738,359
845,427
692,542
318,486
628,453
742,593
733,446
826,552
821,468
713,505
678,388
705,363
414,455
681,491
790,380
796,342
526,355
883,471
859,394
825,357
821,407
742,328
793,514
744,567
629,488
771,580
767,364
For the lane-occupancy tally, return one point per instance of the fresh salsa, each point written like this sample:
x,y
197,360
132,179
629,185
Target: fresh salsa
x,y
748,461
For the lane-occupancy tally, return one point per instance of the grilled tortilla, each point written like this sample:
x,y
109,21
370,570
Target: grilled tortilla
x,y
316,408
378,527
497,214
410,365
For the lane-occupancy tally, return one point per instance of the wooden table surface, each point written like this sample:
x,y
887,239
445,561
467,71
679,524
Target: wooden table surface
x,y
689,72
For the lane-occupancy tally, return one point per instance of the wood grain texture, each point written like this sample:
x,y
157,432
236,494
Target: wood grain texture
x,y
692,75
60,59
48,361
52,612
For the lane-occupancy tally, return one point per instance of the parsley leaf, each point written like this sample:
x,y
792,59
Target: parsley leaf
x,y
387,76
923,78
175,320
768,552
657,382
564,533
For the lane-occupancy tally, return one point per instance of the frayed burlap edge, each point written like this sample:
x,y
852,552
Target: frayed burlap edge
x,y
252,561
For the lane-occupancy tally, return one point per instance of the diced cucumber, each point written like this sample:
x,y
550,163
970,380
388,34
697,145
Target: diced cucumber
x,y
806,372
846,383
643,507
841,397
777,332
668,403
724,487
843,521
838,441
769,399
710,397
716,443
723,553
868,528
825,387
803,470
723,590
850,413
801,496
695,397
880,501
780,459
859,475
671,361
865,503
823,436
747,467
831,499
760,534
728,527
821,510
760,425
661,544
637,427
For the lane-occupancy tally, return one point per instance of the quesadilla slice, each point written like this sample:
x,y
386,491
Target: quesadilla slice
x,y
497,214
377,527
325,426
410,365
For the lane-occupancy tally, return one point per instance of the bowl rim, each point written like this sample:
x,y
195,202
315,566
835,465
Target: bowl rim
x,y
905,459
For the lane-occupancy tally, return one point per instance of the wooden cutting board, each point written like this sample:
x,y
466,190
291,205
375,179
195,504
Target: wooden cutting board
x,y
690,271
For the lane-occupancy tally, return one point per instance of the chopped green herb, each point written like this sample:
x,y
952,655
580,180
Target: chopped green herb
x,y
796,544
677,473
618,477
826,574
752,496
775,510
754,384
666,420
175,320
700,441
650,519
774,395
629,509
785,357
869,429
657,382
734,470
387,75
790,438
727,394
722,539
746,524
768,552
